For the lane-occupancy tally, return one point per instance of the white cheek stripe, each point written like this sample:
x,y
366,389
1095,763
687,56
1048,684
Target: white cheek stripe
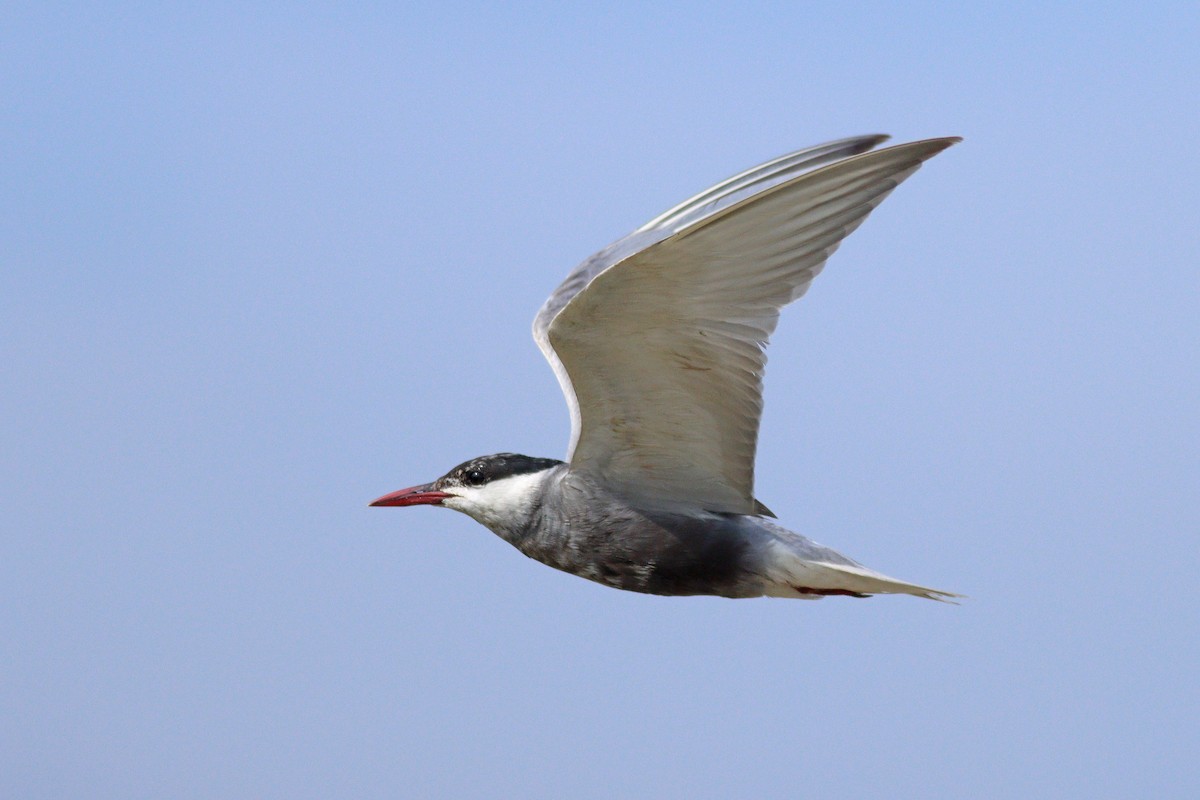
x,y
501,502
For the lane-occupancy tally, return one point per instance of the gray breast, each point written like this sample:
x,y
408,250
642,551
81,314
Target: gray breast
x,y
583,530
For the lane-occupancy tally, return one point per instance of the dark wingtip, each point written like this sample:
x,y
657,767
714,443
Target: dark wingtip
x,y
861,144
876,139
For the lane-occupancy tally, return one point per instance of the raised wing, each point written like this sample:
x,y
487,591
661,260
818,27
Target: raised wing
x,y
658,340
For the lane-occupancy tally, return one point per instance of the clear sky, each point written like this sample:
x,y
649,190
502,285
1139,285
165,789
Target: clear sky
x,y
263,264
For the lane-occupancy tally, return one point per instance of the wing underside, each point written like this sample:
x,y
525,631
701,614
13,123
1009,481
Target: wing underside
x,y
658,341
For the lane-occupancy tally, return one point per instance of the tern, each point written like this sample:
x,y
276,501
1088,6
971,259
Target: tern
x,y
658,342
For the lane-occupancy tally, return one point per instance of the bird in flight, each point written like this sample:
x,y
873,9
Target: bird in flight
x,y
658,342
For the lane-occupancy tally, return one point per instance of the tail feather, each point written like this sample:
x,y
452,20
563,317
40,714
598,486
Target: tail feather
x,y
814,579
868,582
796,566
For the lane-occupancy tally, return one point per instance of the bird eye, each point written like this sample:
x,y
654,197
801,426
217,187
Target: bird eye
x,y
473,477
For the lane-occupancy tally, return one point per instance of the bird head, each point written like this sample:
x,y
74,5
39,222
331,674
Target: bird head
x,y
498,491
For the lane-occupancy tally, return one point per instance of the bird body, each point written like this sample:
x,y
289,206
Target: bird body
x,y
573,524
658,343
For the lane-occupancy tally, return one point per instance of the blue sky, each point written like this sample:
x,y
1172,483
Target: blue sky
x,y
262,265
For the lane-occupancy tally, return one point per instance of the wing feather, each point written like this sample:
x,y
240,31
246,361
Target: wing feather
x,y
658,340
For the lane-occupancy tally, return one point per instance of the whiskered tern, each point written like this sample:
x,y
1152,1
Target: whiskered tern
x,y
658,342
